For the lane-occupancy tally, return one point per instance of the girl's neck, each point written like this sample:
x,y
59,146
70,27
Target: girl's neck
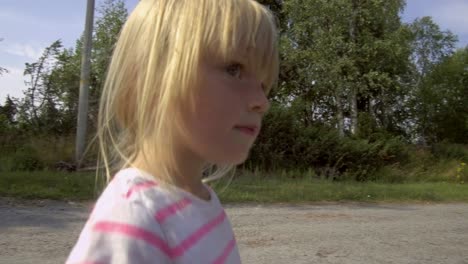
x,y
188,176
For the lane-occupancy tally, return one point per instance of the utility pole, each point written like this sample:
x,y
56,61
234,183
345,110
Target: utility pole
x,y
84,84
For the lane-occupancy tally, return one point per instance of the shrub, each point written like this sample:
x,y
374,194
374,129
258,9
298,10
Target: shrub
x,y
450,151
289,144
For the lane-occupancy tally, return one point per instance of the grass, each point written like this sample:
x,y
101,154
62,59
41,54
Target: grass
x,y
81,186
297,191
48,185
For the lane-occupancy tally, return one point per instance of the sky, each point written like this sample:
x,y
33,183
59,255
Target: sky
x,y
28,26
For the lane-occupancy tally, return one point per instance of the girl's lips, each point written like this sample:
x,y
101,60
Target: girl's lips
x,y
249,130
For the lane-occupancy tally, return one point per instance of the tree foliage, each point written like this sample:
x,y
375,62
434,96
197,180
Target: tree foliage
x,y
50,103
356,86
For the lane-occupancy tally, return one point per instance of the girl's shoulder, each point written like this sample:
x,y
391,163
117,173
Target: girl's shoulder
x,y
133,189
132,184
124,198
122,227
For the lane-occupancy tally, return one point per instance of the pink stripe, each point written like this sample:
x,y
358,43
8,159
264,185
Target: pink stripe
x,y
86,262
139,187
227,250
195,237
133,232
164,213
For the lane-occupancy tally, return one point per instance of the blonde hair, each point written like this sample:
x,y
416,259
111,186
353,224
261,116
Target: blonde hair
x,y
154,64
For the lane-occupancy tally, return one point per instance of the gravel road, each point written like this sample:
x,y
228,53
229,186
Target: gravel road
x,y
348,233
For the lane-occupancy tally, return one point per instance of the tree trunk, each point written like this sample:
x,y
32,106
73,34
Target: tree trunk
x,y
354,87
354,111
339,115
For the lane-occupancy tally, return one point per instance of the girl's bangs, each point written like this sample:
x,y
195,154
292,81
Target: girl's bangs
x,y
246,32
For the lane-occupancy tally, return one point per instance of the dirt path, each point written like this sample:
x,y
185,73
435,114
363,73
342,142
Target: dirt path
x,y
45,231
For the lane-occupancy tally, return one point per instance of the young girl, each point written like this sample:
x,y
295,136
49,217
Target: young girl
x,y
186,90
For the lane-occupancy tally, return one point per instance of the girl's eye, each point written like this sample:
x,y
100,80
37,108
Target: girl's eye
x,y
234,70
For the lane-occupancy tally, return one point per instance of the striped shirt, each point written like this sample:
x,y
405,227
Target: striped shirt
x,y
137,221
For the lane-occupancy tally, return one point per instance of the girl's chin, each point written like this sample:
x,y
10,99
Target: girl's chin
x,y
240,159
236,159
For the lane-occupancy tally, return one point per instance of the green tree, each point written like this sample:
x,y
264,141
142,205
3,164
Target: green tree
x,y
344,58
65,77
9,110
445,93
112,15
51,101
430,46
40,92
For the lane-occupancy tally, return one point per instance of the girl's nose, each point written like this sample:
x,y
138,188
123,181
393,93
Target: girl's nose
x,y
258,99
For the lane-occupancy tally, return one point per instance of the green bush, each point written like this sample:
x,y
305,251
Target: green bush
x,y
29,152
26,159
286,143
450,151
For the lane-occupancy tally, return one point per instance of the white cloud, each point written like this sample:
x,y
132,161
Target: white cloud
x,y
24,50
12,83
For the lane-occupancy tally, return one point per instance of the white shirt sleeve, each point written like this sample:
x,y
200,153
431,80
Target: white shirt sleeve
x,y
125,232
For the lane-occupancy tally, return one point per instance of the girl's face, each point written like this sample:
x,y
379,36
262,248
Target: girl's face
x,y
229,107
